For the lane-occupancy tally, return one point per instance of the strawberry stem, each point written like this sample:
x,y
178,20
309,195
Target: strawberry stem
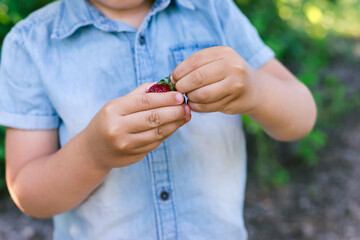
x,y
167,81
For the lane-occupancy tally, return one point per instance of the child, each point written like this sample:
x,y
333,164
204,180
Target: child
x,y
78,71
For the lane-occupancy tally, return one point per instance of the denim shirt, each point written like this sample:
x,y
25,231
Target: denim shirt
x,y
65,61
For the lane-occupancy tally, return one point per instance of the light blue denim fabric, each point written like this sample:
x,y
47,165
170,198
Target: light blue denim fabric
x,y
65,61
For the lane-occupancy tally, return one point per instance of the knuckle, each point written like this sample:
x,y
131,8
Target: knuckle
x,y
124,145
145,100
202,96
111,128
199,78
108,109
112,132
240,70
194,61
160,133
238,87
153,119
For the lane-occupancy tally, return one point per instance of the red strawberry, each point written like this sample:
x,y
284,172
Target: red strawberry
x,y
164,85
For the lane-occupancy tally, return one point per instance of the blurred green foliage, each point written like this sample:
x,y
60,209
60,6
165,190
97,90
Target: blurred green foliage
x,y
12,11
304,34
2,158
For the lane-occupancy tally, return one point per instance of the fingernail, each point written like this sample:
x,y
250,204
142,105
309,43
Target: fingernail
x,y
187,110
188,119
179,98
172,79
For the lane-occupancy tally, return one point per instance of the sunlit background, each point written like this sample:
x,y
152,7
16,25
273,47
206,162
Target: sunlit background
x,y
319,40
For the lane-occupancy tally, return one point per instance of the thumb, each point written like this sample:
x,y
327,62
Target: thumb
x,y
142,89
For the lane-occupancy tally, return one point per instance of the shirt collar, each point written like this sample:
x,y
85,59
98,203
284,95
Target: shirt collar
x,y
74,14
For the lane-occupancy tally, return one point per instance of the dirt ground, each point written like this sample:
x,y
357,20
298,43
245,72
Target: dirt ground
x,y
320,203
16,226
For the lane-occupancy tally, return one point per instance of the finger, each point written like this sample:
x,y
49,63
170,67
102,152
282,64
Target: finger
x,y
219,106
203,76
210,93
142,102
141,89
162,132
146,120
143,139
142,149
147,148
197,60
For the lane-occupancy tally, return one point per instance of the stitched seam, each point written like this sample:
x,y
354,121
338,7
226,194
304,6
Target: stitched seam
x,y
204,44
172,189
27,24
26,49
158,220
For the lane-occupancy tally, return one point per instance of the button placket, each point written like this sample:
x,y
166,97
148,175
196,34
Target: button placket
x,y
158,159
164,202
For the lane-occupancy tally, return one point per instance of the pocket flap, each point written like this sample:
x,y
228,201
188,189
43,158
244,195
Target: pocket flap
x,y
182,51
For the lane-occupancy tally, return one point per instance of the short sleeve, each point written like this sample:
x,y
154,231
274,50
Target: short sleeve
x,y
241,35
23,100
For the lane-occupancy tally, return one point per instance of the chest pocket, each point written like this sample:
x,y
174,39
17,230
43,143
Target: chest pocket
x,y
207,126
184,50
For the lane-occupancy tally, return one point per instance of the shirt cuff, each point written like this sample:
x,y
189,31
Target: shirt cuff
x,y
29,122
261,57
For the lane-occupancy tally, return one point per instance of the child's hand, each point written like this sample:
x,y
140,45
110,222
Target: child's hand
x,y
128,128
217,79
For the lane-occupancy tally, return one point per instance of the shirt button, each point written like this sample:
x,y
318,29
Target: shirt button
x,y
164,195
142,40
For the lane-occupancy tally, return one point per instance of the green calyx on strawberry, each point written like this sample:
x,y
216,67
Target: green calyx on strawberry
x,y
164,85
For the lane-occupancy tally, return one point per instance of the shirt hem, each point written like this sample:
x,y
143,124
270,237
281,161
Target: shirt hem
x,y
261,57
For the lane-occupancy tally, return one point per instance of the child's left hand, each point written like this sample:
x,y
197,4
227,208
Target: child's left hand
x,y
218,79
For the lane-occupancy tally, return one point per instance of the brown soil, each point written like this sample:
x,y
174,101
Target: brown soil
x,y
321,202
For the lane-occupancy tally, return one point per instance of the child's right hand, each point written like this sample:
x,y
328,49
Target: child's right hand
x,y
129,127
